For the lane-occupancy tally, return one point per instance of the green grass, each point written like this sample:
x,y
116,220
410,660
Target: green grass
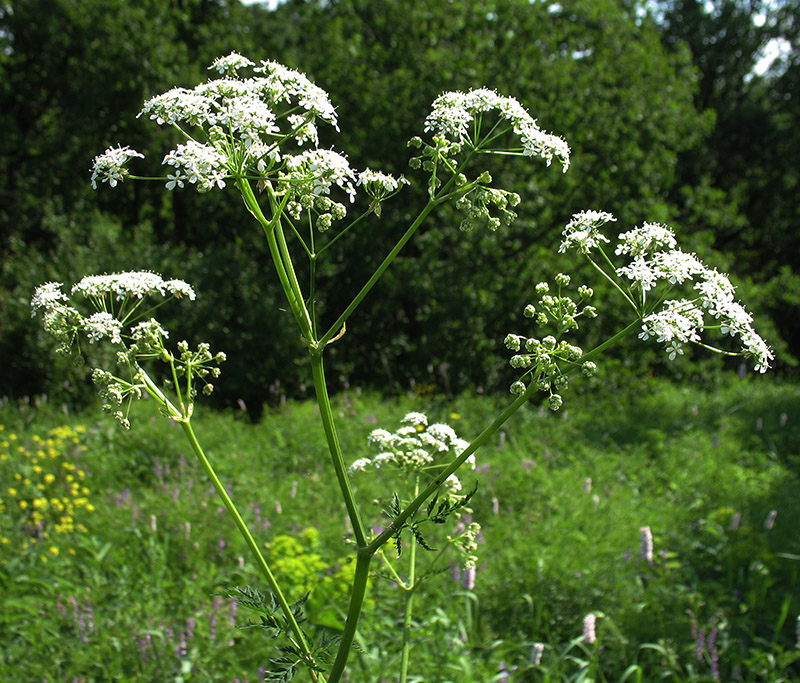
x,y
562,498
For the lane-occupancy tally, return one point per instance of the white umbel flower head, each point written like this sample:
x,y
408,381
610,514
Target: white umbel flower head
x,y
583,231
131,285
230,63
453,111
109,167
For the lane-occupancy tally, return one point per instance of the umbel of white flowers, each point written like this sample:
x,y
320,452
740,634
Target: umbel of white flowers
x,y
122,305
656,269
263,127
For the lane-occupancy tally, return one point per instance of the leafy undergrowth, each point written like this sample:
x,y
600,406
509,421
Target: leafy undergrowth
x,y
116,554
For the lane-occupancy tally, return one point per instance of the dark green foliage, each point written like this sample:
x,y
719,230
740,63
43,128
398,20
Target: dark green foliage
x,y
436,512
665,119
275,624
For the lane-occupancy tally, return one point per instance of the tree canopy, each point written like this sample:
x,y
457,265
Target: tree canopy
x,y
659,101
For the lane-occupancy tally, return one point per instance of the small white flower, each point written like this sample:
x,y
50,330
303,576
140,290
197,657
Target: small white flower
x,y
314,171
102,325
202,165
282,84
148,329
230,63
380,437
641,272
46,296
677,266
415,419
678,321
443,432
360,465
583,231
179,105
648,238
109,166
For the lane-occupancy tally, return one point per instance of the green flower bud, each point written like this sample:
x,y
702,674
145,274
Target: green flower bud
x,y
518,388
555,402
530,311
562,280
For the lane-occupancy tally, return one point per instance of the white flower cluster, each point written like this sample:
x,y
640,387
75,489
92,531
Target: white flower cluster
x,y
117,302
199,164
415,446
243,122
109,167
230,63
656,260
65,322
452,113
128,285
379,184
314,171
583,231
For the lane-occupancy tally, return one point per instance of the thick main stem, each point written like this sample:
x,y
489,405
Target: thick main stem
x,y
335,448
252,545
353,613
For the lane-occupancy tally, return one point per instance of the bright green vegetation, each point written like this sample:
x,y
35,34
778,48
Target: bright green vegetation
x,y
562,498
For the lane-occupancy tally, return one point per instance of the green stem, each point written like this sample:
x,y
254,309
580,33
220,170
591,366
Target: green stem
x,y
299,638
293,295
409,601
335,448
353,613
378,273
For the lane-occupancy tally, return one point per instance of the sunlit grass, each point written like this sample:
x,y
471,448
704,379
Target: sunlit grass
x,y
132,590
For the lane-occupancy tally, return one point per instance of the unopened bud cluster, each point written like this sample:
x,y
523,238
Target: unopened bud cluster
x,y
547,360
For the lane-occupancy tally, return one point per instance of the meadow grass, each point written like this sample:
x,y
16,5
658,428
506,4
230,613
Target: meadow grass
x,y
130,588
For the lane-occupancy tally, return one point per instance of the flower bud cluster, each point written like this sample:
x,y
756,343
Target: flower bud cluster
x,y
416,446
465,539
477,201
547,360
442,153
